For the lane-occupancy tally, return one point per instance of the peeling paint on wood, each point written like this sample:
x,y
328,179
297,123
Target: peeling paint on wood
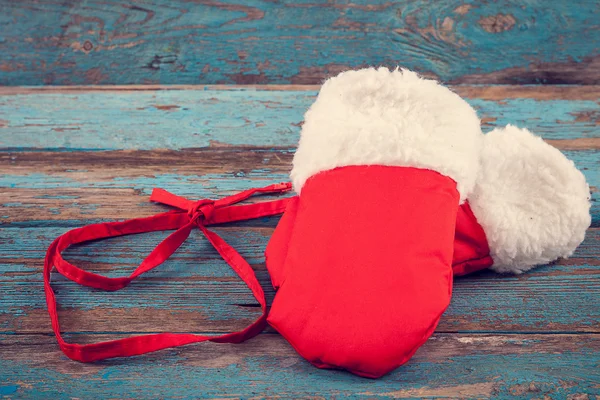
x,y
497,23
30,189
521,367
111,120
74,156
260,41
197,291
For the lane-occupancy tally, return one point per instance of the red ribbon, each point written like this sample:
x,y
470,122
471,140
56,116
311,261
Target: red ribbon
x,y
188,214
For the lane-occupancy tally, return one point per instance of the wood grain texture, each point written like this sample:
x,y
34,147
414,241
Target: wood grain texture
x,y
447,366
227,141
71,156
178,119
261,41
196,291
72,189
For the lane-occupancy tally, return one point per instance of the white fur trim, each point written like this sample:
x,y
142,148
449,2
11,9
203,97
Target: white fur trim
x,y
382,117
532,202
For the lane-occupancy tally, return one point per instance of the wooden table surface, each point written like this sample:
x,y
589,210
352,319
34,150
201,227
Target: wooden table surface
x,y
296,41
73,156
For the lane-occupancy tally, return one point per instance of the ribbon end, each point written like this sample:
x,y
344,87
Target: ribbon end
x,y
156,194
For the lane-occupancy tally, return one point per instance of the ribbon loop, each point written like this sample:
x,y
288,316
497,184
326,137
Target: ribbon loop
x,y
189,213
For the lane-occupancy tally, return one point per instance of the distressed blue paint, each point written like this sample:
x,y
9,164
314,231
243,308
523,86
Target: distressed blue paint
x,y
550,119
194,186
260,41
21,205
8,389
24,248
485,302
214,185
173,374
516,303
74,223
195,257
209,300
204,186
129,120
550,298
56,196
198,285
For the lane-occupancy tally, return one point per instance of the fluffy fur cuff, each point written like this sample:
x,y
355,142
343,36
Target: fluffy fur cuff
x,y
377,116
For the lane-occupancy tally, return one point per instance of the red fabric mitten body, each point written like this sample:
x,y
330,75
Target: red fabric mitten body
x,y
362,257
530,206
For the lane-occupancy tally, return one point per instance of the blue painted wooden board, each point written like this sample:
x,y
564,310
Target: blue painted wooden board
x,y
447,366
179,119
197,291
74,192
113,119
72,156
260,41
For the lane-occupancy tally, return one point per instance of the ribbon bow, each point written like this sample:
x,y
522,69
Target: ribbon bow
x,y
188,214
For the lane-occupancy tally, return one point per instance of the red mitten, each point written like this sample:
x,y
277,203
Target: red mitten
x,y
530,206
277,248
365,273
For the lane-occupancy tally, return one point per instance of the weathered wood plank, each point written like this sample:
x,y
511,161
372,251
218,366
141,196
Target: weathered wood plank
x,y
447,366
260,41
177,119
196,291
45,192
195,261
84,187
24,248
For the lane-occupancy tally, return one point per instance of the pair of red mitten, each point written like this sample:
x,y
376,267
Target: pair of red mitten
x,y
399,190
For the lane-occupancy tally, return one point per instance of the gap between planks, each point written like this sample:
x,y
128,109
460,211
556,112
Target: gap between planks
x,y
592,143
489,92
270,331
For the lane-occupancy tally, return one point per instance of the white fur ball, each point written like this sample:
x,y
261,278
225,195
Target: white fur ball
x,y
532,202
